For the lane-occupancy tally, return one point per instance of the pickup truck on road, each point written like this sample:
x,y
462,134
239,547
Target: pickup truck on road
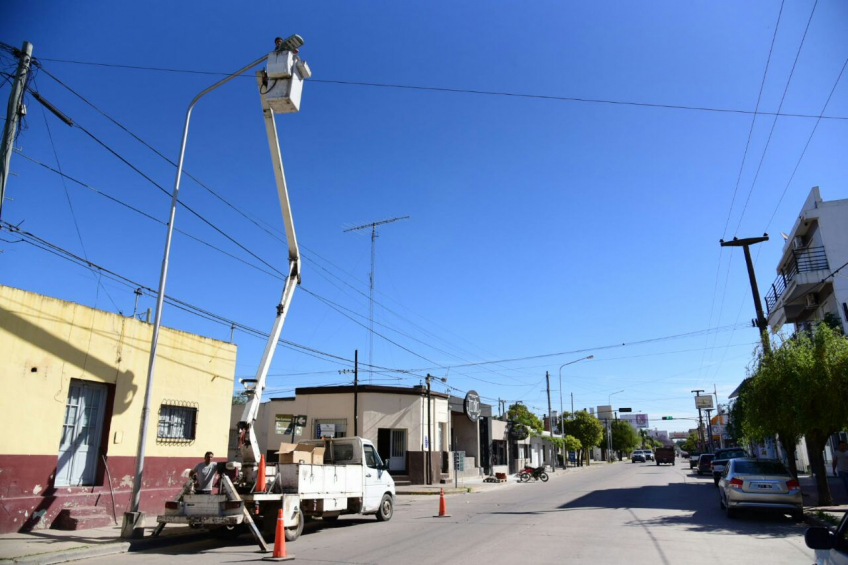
x,y
351,480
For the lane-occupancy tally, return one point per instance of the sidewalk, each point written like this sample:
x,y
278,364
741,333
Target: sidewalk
x,y
476,484
60,546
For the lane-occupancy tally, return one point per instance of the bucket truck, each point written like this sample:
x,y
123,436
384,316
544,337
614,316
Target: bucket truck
x,y
320,478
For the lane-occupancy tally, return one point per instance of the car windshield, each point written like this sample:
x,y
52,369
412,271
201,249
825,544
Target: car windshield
x,y
731,454
759,468
707,457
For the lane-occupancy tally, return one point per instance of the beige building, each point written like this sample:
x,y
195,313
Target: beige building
x,y
394,418
73,381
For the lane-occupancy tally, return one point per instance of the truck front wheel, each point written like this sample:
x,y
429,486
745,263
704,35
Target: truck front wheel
x,y
294,533
387,509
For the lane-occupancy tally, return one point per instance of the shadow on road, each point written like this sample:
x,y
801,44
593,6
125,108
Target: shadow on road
x,y
699,498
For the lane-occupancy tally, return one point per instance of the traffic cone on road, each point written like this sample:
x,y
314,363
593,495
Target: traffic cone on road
x,y
260,476
443,507
280,542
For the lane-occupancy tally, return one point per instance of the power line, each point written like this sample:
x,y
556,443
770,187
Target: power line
x,y
774,122
217,195
468,91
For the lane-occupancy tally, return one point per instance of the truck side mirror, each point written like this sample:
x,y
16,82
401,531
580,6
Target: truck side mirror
x,y
385,466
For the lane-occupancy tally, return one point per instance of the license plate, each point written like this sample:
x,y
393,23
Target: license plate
x,y
764,486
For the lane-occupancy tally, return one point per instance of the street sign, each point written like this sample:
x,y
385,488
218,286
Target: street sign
x,y
472,405
300,421
625,409
704,402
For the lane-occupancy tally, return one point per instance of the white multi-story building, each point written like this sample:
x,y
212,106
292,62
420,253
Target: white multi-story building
x,y
809,285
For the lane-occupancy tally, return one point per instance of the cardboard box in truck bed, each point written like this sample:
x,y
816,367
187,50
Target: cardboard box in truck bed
x,y
301,453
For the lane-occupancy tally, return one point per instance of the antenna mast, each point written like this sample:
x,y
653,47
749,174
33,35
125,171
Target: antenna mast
x,y
373,226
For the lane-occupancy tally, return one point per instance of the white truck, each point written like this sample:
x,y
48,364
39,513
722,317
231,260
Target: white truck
x,y
352,480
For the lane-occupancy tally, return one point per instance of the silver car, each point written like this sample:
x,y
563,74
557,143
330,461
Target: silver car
x,y
762,484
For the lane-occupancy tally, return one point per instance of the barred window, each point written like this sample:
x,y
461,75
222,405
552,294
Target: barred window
x,y
177,422
331,428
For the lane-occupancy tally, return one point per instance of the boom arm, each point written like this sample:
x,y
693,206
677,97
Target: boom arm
x,y
248,443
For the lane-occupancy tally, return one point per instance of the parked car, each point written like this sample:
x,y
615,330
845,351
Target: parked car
x,y
704,461
637,456
831,546
649,455
721,458
693,459
762,484
684,454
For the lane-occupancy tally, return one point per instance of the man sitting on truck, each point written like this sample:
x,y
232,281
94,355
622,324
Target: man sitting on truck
x,y
204,474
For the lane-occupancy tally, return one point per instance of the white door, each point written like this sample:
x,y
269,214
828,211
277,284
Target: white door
x,y
81,431
397,446
375,483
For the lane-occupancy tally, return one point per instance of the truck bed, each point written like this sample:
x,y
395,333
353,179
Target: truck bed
x,y
321,481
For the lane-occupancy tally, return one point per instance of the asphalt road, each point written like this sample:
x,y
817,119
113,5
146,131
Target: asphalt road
x,y
622,513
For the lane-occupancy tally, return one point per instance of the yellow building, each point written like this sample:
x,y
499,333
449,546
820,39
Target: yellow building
x,y
73,381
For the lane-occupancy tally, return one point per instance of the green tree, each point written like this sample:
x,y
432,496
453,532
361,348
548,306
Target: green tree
x,y
691,443
624,437
524,422
801,388
587,429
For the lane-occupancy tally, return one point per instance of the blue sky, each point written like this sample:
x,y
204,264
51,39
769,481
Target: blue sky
x,y
536,226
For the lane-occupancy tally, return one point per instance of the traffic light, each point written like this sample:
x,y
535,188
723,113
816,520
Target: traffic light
x,y
668,417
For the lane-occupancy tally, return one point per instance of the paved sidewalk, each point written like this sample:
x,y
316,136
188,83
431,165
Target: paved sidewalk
x,y
810,492
476,484
60,546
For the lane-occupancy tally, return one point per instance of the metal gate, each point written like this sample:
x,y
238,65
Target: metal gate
x,y
81,431
397,462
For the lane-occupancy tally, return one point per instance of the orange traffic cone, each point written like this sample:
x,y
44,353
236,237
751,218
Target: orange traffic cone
x,y
443,507
260,476
279,542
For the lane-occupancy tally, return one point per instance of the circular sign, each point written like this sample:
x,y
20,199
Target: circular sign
x,y
472,405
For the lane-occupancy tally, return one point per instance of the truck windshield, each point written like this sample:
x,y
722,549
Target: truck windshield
x,y
372,459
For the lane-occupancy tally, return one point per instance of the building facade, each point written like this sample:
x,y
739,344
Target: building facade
x,y
805,291
74,381
395,419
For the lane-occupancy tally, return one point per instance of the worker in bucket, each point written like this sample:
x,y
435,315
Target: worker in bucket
x,y
204,474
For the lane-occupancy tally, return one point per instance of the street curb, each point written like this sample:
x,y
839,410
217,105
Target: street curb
x,y
113,548
815,521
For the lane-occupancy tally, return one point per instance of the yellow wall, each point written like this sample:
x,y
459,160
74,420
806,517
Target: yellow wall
x,y
45,342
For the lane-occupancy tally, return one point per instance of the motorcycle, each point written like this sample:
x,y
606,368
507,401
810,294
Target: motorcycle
x,y
535,473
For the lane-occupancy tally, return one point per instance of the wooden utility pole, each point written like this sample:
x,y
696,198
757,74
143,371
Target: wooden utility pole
x,y
761,322
14,111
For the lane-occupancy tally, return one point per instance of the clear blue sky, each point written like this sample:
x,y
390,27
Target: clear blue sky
x,y
537,225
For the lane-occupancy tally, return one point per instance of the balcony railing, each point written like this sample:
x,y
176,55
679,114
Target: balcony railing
x,y
803,260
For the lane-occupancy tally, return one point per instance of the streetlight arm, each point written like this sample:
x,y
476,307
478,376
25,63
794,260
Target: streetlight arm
x,y
160,298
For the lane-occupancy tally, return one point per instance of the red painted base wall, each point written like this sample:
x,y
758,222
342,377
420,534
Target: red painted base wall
x,y
29,500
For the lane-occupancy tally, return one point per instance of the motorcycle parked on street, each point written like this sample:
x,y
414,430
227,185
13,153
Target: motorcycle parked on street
x,y
535,473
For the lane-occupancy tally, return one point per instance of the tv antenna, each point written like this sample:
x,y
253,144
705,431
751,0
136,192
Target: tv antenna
x,y
373,226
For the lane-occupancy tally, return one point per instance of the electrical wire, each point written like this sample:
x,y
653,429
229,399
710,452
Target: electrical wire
x,y
774,122
467,91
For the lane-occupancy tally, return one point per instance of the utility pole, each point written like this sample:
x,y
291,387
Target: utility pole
x,y
550,416
355,390
373,226
761,322
721,421
700,422
709,429
14,111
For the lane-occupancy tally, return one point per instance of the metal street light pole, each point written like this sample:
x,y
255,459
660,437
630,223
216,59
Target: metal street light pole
x,y
561,416
609,426
145,411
